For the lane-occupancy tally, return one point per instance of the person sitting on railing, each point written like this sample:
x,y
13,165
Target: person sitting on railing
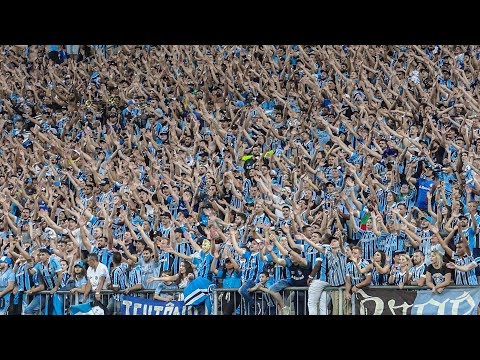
x,y
298,270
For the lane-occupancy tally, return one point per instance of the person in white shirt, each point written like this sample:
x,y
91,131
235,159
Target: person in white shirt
x,y
98,277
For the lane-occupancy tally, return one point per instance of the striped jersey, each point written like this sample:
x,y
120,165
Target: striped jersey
x,y
336,267
368,241
104,255
49,272
356,277
119,278
389,243
377,278
417,272
251,267
134,277
462,277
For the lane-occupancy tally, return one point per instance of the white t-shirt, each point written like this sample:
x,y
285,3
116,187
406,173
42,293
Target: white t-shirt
x,y
94,275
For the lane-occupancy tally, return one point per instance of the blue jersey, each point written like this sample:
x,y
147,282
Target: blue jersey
x,y
389,243
461,277
49,272
202,261
134,278
368,241
166,261
252,267
417,272
6,277
356,277
336,267
149,270
377,278
423,186
232,280
182,248
119,278
22,277
399,277
322,272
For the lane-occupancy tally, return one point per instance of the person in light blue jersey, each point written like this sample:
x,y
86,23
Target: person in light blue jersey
x,y
119,279
52,274
79,282
7,283
231,277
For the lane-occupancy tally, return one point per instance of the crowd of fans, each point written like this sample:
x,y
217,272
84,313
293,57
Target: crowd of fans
x,y
254,167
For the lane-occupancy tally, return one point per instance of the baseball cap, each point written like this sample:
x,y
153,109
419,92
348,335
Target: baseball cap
x,y
239,168
399,252
131,102
428,218
79,263
462,216
104,181
6,259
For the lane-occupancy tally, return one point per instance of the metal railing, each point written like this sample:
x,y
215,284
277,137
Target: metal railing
x,y
225,301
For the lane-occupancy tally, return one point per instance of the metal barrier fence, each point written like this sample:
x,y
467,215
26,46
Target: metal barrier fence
x,y
228,301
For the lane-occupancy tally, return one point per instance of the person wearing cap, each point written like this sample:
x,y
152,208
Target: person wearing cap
x,y
131,111
7,283
80,281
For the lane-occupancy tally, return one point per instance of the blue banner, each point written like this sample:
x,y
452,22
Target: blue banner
x,y
449,302
139,306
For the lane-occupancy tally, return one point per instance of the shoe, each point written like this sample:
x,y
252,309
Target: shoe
x,y
286,310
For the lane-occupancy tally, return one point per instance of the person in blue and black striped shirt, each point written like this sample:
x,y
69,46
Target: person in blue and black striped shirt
x,y
118,283
463,263
417,273
354,279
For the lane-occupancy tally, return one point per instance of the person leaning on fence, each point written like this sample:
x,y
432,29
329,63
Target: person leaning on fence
x,y
379,268
265,305
7,283
98,277
52,274
118,284
439,276
417,273
165,282
399,276
354,279
231,277
80,281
